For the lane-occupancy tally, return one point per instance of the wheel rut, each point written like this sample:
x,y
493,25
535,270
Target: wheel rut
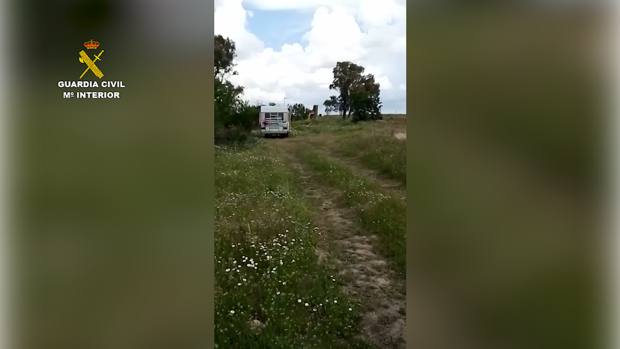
x,y
343,242
395,188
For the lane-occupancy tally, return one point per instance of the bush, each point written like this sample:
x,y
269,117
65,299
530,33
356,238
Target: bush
x,y
365,107
230,134
233,123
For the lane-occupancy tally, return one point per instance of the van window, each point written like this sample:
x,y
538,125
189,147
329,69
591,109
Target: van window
x,y
274,116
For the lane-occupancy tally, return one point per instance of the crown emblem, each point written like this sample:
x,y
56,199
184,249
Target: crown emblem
x,y
91,45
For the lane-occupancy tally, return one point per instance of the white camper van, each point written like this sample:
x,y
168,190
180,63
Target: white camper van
x,y
274,121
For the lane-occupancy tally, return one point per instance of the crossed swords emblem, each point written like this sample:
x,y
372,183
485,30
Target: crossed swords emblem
x,y
91,64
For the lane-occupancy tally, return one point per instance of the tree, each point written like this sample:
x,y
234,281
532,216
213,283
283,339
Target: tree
x,y
365,101
224,55
272,104
347,76
331,105
349,80
298,111
234,117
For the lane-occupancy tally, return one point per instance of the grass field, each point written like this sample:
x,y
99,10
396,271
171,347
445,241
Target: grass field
x,y
310,245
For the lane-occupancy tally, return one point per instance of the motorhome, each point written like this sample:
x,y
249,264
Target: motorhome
x,y
274,121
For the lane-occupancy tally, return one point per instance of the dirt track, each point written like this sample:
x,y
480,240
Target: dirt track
x,y
354,251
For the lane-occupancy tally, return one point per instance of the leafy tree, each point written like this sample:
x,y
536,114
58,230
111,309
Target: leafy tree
x,y
224,56
234,117
347,76
349,80
331,105
272,104
365,101
298,111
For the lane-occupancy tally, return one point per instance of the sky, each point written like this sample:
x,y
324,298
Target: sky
x,y
287,49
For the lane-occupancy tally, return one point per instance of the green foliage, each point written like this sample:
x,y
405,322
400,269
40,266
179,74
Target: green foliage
x,y
365,101
224,55
358,93
325,125
387,156
332,105
266,268
378,211
298,111
233,117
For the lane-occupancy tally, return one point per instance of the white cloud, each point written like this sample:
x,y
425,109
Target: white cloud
x,y
230,21
366,32
300,4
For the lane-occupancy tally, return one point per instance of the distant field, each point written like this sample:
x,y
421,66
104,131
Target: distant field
x,y
310,239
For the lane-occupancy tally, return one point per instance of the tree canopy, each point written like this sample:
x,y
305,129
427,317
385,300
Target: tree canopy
x,y
298,111
332,105
365,100
358,94
233,117
224,56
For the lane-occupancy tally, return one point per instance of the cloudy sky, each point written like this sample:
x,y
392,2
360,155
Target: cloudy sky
x,y
289,48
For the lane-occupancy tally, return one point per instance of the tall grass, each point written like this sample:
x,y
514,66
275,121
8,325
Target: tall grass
x,y
378,211
324,125
270,291
377,150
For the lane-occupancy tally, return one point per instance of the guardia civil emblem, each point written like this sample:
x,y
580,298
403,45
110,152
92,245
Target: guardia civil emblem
x,y
91,45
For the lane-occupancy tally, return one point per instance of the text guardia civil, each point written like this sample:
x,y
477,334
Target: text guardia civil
x,y
91,84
